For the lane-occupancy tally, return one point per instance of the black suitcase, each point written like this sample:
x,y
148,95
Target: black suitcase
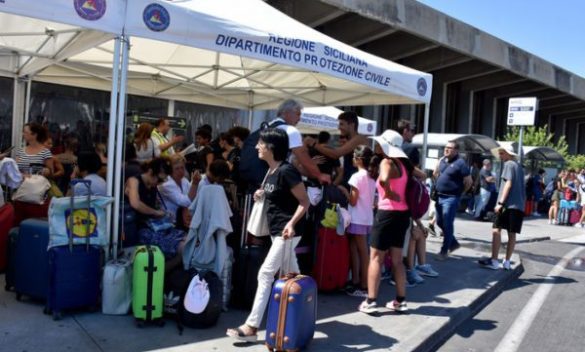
x,y
248,262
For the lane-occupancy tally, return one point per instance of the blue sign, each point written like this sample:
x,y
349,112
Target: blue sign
x,y
156,17
90,10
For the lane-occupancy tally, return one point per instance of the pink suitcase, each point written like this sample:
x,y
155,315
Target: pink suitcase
x,y
574,216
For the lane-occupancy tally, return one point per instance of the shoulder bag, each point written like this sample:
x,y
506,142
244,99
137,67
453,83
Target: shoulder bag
x,y
258,222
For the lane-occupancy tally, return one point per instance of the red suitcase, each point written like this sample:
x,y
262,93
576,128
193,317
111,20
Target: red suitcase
x,y
332,263
6,221
574,216
25,211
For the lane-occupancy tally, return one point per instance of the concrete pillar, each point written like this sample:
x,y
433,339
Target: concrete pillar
x,y
437,114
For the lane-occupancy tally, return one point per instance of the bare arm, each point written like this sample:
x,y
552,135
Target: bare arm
x,y
300,194
136,203
308,165
353,196
467,183
504,195
345,149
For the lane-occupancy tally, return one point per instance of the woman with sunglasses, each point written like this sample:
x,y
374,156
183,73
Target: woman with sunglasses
x,y
141,190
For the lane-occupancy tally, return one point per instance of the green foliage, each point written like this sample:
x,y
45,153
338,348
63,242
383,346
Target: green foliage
x,y
539,136
576,162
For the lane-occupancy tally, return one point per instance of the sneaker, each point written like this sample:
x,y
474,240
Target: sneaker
x,y
550,221
454,247
578,225
357,292
441,256
506,265
397,306
413,277
489,263
368,308
555,222
426,270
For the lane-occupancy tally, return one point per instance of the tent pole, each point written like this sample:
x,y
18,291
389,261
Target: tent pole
x,y
425,138
120,134
17,113
112,135
27,100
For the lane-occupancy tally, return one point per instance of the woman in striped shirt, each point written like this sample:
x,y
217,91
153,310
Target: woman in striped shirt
x,y
34,157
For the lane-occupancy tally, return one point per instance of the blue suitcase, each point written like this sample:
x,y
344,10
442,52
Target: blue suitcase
x,y
74,270
292,311
29,260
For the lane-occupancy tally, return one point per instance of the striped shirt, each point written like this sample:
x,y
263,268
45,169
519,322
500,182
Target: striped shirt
x,y
26,162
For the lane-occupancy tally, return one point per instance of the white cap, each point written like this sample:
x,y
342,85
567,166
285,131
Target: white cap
x,y
391,143
197,295
508,148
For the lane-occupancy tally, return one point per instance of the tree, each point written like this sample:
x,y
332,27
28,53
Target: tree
x,y
538,136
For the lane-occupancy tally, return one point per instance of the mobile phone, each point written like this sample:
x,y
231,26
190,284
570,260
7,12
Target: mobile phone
x,y
8,150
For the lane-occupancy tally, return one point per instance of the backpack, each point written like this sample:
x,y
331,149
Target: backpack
x,y
252,169
417,197
549,189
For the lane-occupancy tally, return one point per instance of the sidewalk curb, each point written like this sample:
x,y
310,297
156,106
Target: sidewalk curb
x,y
434,341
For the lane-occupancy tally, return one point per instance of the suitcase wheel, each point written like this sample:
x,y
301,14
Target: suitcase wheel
x,y
57,315
46,311
19,297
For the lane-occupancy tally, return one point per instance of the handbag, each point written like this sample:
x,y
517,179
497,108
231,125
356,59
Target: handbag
x,y
160,224
258,221
32,189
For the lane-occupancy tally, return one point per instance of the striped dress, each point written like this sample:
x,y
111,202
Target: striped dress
x,y
32,163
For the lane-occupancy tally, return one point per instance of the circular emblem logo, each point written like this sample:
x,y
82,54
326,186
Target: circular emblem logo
x,y
370,127
90,10
156,17
82,222
421,87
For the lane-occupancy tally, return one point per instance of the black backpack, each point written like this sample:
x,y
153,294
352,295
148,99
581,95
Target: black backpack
x,y
252,169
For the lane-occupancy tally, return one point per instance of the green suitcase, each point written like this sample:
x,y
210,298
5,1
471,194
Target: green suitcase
x,y
148,285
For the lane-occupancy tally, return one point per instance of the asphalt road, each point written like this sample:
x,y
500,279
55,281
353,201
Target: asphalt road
x,y
542,311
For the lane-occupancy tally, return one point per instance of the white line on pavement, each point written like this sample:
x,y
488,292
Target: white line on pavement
x,y
513,338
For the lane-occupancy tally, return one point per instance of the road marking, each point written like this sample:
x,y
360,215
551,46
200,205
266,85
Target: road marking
x,y
513,338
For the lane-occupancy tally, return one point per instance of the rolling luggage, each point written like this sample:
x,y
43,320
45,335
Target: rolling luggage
x,y
564,216
9,273
6,221
248,262
75,270
23,211
147,285
291,315
574,216
332,264
29,259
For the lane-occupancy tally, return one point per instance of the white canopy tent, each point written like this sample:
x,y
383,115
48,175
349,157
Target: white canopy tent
x,y
233,53
324,118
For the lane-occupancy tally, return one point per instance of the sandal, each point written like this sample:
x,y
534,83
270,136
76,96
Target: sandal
x,y
240,335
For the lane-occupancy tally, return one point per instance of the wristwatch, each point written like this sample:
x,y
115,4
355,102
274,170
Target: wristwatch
x,y
501,203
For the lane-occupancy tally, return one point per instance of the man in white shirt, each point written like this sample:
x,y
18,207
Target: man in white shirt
x,y
290,112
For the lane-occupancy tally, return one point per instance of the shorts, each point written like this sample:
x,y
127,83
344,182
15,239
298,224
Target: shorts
x,y
389,229
509,220
357,229
556,196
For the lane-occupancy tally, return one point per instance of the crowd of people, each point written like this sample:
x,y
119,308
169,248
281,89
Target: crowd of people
x,y
163,177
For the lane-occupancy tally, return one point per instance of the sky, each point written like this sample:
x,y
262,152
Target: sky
x,y
550,29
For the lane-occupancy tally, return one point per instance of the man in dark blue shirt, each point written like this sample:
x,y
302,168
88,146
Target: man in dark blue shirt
x,y
452,179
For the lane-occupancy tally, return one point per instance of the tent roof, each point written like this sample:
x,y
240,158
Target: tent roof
x,y
240,53
324,118
472,143
537,153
